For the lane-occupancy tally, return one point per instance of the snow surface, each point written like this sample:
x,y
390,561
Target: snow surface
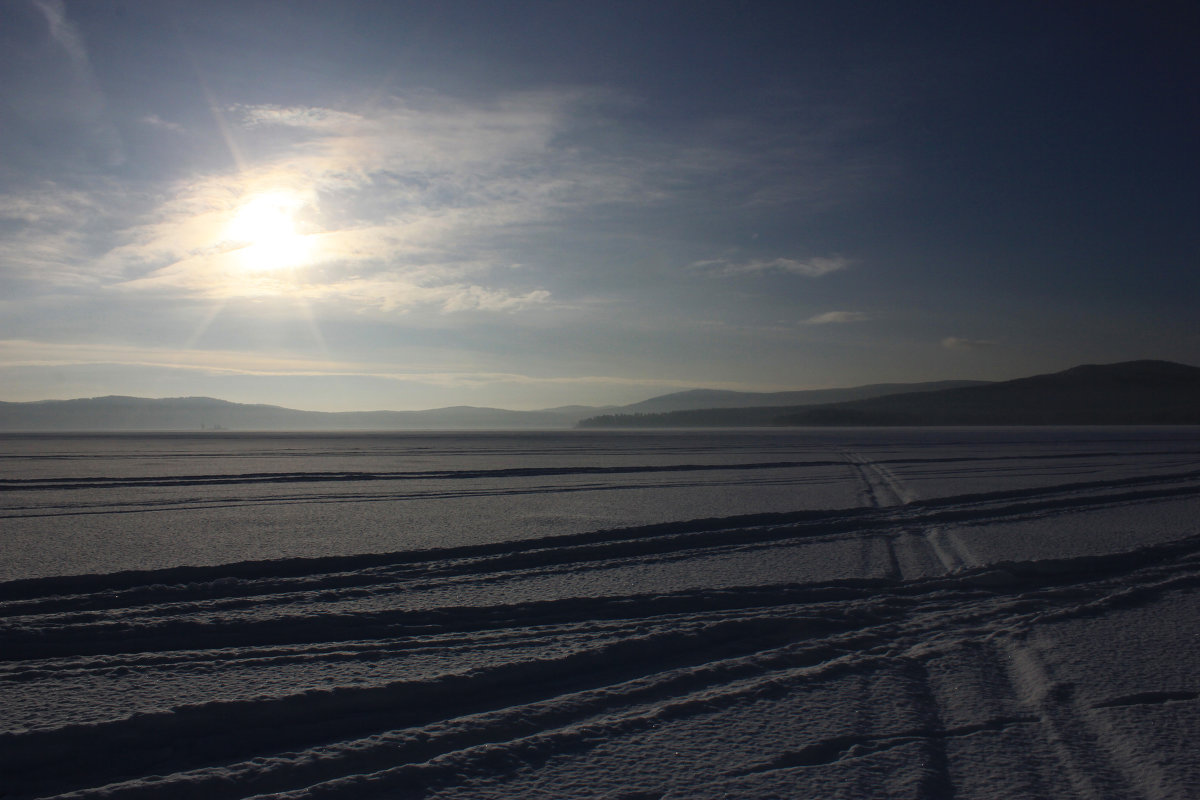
x,y
949,613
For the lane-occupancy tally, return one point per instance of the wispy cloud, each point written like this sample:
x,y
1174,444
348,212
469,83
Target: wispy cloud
x,y
391,204
155,121
78,102
414,202
810,268
62,31
17,353
47,204
962,343
51,232
837,317
388,292
306,117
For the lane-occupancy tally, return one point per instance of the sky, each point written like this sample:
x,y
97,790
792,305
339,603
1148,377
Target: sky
x,y
404,205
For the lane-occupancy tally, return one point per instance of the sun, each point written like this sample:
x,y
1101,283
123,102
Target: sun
x,y
263,231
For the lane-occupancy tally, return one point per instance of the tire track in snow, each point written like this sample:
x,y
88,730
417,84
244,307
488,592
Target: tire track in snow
x,y
882,489
551,687
722,646
881,486
255,583
224,479
1091,770
881,492
948,548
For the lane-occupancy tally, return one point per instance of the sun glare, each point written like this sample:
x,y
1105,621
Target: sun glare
x,y
264,228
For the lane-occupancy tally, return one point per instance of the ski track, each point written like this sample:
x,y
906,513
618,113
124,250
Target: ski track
x,y
726,657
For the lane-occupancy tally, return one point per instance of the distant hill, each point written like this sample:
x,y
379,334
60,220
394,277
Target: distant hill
x,y
119,413
715,398
762,416
1130,393
1133,393
205,413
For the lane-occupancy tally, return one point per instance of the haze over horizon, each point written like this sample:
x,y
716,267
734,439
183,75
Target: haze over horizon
x,y
374,205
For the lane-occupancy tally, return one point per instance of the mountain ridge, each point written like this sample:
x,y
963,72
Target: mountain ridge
x,y
723,398
1135,392
196,413
126,413
1146,392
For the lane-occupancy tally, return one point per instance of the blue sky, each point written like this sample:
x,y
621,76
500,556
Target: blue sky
x,y
362,205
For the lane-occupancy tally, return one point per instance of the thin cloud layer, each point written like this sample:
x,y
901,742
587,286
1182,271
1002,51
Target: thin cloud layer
x,y
963,343
837,317
80,105
63,31
155,121
24,353
391,203
389,207
52,232
810,268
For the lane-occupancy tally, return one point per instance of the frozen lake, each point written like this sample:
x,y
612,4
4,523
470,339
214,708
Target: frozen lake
x,y
80,504
760,613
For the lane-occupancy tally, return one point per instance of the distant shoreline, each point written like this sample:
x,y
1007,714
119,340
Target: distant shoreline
x,y
1130,393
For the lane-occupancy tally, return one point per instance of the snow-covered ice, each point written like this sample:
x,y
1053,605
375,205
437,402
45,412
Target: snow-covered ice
x,y
937,613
